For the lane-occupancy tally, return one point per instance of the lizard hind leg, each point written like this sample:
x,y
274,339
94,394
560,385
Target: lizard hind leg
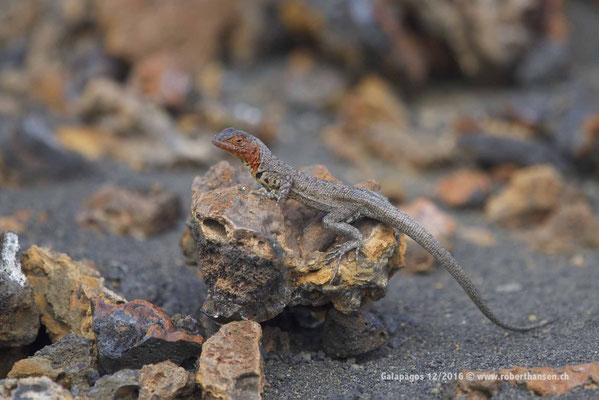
x,y
336,222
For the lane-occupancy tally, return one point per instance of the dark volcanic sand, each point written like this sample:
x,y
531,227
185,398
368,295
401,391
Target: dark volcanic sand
x,y
433,326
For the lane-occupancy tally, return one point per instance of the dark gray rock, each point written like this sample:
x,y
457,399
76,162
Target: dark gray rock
x,y
347,335
138,333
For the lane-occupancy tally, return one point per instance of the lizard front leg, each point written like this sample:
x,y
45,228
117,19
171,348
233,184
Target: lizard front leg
x,y
336,221
271,182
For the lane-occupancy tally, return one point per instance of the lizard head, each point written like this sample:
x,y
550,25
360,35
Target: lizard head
x,y
240,144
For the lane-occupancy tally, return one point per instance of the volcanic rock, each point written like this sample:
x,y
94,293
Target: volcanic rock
x,y
257,258
137,333
464,188
347,335
63,291
165,381
373,124
140,213
231,366
19,315
70,362
29,153
123,384
33,388
531,194
435,221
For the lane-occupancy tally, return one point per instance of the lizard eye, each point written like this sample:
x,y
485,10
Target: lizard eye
x,y
238,140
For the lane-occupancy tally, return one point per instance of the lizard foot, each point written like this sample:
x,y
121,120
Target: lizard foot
x,y
265,193
339,251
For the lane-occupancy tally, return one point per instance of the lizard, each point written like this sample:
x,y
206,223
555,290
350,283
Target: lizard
x,y
343,205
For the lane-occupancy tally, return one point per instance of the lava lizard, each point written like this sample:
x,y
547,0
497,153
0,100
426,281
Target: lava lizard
x,y
343,205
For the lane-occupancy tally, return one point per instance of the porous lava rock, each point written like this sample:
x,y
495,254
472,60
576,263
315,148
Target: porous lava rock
x,y
231,366
257,257
70,362
63,291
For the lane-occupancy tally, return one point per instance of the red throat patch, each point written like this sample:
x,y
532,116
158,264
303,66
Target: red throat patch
x,y
251,157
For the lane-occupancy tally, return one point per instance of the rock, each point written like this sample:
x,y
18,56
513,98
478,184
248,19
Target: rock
x,y
63,291
9,356
130,30
165,380
464,188
373,124
414,39
131,129
123,384
188,246
275,340
136,212
29,153
348,335
492,150
438,223
485,384
41,388
162,78
531,194
257,258
575,131
231,366
19,315
69,362
571,227
15,222
137,333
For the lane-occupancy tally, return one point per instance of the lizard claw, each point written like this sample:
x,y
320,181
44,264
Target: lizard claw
x,y
338,252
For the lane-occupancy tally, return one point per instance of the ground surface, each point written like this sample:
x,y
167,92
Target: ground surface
x,y
433,325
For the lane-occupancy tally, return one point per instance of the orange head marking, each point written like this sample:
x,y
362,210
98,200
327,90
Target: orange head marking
x,y
240,144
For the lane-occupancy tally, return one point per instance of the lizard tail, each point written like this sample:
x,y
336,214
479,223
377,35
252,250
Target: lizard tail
x,y
407,225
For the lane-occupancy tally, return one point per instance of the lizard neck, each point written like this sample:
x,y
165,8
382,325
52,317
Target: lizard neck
x,y
252,159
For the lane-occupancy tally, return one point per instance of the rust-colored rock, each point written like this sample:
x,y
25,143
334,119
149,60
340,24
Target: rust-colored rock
x,y
571,227
140,213
63,291
161,77
19,315
438,223
464,188
165,380
543,381
231,366
129,30
531,194
69,362
257,258
137,333
373,123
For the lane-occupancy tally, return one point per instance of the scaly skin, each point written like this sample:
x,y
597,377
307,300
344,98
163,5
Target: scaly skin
x,y
343,205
